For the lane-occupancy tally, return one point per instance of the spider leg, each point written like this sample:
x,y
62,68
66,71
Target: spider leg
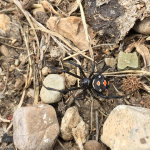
x,y
81,98
63,70
92,70
62,91
71,62
93,95
104,69
109,97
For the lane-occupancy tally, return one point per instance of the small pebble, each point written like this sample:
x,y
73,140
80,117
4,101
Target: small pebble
x,y
16,62
127,128
22,57
39,9
12,68
4,51
30,92
110,62
4,22
94,145
45,71
54,81
55,52
35,127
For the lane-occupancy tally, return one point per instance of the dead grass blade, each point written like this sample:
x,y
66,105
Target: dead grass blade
x,y
137,72
18,4
85,28
64,40
146,87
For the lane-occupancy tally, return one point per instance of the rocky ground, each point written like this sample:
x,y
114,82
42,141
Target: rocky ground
x,y
39,43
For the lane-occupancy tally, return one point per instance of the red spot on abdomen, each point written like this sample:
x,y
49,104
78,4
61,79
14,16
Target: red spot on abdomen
x,y
105,83
98,83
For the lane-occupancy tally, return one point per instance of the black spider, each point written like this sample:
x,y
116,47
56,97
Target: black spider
x,y
96,83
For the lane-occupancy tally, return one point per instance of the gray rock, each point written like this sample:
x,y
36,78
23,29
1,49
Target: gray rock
x,y
143,26
35,127
54,81
127,128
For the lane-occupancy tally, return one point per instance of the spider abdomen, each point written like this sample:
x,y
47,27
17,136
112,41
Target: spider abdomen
x,y
100,83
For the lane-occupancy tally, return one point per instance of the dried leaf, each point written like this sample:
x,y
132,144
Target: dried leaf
x,y
146,87
143,51
72,29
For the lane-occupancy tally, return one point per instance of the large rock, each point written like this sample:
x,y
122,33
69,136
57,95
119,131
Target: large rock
x,y
35,127
127,128
53,81
113,19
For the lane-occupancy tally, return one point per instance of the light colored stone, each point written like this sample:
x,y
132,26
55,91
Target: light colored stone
x,y
45,71
56,52
69,121
93,145
143,26
30,92
53,81
41,9
110,62
35,127
16,62
22,57
127,128
12,68
4,51
4,22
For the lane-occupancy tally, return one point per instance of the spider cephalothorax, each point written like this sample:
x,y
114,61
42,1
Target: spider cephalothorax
x,y
94,83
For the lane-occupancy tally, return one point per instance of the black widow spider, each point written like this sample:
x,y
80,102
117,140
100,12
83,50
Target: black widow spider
x,y
96,83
